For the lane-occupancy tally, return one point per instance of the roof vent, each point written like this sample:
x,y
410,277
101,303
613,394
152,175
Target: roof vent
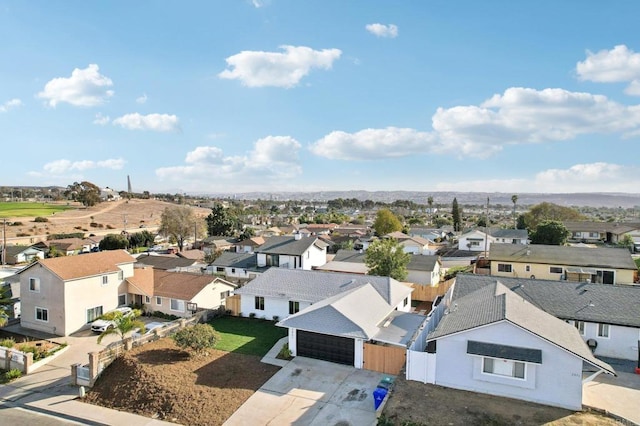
x,y
387,323
528,252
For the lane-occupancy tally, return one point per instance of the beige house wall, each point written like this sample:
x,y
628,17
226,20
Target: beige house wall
x,y
88,293
542,271
50,296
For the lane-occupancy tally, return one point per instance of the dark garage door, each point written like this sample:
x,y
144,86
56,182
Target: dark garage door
x,y
325,347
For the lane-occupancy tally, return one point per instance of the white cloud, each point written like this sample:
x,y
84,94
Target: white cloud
x,y
86,87
63,166
617,65
369,144
10,104
155,122
101,119
142,99
591,177
277,69
382,30
273,159
519,116
259,3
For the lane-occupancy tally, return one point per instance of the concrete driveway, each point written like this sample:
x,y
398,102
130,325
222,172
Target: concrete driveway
x,y
312,392
617,395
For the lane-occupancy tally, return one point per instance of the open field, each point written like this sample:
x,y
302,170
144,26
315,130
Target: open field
x,y
16,210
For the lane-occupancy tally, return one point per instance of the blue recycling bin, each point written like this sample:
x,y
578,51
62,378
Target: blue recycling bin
x,y
378,396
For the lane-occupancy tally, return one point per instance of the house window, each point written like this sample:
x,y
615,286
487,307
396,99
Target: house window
x,y
34,285
273,260
177,305
158,300
122,299
93,314
555,269
105,279
504,267
259,301
503,367
293,307
603,330
42,314
219,269
474,243
233,270
120,275
224,294
147,299
527,268
580,326
405,302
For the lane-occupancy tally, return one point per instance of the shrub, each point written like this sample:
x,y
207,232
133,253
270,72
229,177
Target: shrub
x,y
275,318
41,219
110,227
22,234
8,343
198,338
285,352
39,352
12,374
160,314
252,315
94,224
17,224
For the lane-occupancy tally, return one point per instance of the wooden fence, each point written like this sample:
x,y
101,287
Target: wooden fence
x,y
429,293
232,304
384,358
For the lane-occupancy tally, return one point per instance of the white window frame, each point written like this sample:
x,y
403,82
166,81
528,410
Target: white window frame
x,y
158,300
147,299
179,303
580,326
504,266
36,285
527,268
294,307
42,311
121,275
508,363
259,303
604,330
94,317
125,299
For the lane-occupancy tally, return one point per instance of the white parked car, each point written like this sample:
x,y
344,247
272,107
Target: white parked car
x,y
102,325
148,329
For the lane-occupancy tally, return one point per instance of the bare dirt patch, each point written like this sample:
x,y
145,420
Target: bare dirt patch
x,y
414,403
160,380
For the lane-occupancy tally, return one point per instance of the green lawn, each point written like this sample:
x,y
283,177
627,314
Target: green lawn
x,y
30,209
247,335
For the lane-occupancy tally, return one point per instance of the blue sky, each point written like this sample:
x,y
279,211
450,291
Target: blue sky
x,y
275,95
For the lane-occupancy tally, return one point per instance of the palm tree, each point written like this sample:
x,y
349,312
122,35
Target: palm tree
x,y
514,200
122,324
430,203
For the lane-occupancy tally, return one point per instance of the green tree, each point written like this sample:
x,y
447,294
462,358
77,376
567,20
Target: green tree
x,y
514,200
550,232
456,215
122,324
197,339
247,233
5,302
114,242
627,242
549,211
179,223
221,222
386,222
85,192
386,257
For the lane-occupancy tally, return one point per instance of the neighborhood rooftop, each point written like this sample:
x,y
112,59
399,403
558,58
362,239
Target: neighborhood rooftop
x,y
86,265
295,246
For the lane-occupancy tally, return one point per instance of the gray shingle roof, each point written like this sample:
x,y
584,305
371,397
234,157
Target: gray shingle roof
x,y
496,303
509,233
618,258
599,303
288,245
314,286
352,256
236,260
165,262
617,228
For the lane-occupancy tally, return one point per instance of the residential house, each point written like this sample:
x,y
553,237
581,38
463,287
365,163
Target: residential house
x,y
478,240
176,293
334,316
295,252
108,194
63,295
238,266
166,262
218,243
414,245
432,234
68,246
249,245
493,341
549,262
21,254
607,317
599,232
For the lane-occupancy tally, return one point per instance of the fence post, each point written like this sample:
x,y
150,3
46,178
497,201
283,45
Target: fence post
x,y
74,374
128,344
27,361
94,358
7,359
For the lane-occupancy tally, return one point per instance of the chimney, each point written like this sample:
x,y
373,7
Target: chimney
x,y
297,235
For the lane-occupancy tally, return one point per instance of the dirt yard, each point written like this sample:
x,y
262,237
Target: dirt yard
x,y
159,380
110,216
414,403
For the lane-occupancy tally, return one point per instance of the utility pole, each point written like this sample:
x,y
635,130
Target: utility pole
x,y
124,222
4,241
486,236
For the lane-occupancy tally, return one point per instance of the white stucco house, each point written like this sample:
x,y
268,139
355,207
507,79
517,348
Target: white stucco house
x,y
292,252
332,316
63,295
491,340
237,265
478,240
21,254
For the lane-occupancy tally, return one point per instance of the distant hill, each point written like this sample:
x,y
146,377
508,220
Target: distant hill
x,y
595,199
